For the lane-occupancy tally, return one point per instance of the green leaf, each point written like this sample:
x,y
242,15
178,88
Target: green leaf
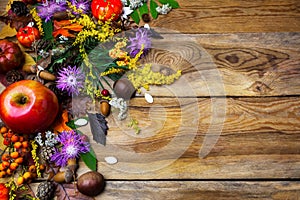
x,y
143,9
153,6
135,16
90,159
71,124
48,30
173,3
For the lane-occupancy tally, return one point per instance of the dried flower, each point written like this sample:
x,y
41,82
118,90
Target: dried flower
x,y
47,10
71,80
143,77
82,5
134,4
141,40
121,104
73,144
51,139
165,9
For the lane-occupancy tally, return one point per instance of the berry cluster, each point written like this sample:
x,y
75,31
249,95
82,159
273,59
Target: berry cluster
x,y
16,155
29,175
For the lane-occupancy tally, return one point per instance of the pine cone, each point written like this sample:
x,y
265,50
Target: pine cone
x,y
46,152
13,76
19,8
45,190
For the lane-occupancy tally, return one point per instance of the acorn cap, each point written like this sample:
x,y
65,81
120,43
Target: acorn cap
x,y
123,88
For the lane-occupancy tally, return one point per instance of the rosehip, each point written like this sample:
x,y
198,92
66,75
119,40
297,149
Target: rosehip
x,y
24,151
14,138
6,141
42,167
9,134
13,166
20,180
9,171
2,174
25,144
19,160
17,145
105,92
21,139
27,175
5,164
3,130
14,155
5,157
32,169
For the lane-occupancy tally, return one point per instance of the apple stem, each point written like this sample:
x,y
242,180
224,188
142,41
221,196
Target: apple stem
x,y
23,100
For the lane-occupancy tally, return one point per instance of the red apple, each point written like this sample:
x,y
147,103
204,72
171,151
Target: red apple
x,y
28,106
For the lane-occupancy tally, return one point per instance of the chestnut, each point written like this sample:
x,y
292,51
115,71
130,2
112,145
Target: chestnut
x,y
91,183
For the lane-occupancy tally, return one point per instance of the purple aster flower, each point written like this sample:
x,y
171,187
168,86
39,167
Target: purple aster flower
x,y
70,79
142,37
84,5
73,144
47,10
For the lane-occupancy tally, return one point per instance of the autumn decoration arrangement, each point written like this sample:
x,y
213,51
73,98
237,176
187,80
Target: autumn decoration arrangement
x,y
58,57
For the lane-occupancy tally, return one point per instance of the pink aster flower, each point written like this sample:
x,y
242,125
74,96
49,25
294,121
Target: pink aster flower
x,y
71,80
73,144
47,10
142,37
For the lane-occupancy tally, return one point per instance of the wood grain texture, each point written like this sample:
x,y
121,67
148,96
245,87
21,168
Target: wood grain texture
x,y
192,190
244,64
228,16
258,139
237,100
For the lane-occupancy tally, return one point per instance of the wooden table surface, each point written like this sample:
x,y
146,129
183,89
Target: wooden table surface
x,y
229,128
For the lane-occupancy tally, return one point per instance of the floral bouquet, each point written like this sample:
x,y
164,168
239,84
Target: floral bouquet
x,y
58,59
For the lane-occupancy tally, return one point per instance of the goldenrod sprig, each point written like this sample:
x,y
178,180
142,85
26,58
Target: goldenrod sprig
x,y
35,157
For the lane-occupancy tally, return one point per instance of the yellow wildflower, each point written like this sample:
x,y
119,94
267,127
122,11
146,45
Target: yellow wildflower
x,y
35,158
112,71
38,20
143,77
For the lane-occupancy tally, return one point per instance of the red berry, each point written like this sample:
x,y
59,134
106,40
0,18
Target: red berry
x,y
105,92
6,141
15,138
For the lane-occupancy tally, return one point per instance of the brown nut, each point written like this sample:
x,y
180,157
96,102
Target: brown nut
x,y
64,177
91,183
46,75
104,108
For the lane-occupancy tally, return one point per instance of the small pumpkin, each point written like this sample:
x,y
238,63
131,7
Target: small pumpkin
x,y
27,35
106,9
4,192
11,56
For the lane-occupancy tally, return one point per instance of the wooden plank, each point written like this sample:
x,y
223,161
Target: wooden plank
x,y
228,16
229,190
193,138
244,64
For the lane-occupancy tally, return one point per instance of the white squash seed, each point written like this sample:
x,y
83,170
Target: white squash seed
x,y
149,98
81,122
111,160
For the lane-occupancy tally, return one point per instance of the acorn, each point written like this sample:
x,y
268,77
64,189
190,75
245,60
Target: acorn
x,y
123,88
104,108
64,176
46,75
91,183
